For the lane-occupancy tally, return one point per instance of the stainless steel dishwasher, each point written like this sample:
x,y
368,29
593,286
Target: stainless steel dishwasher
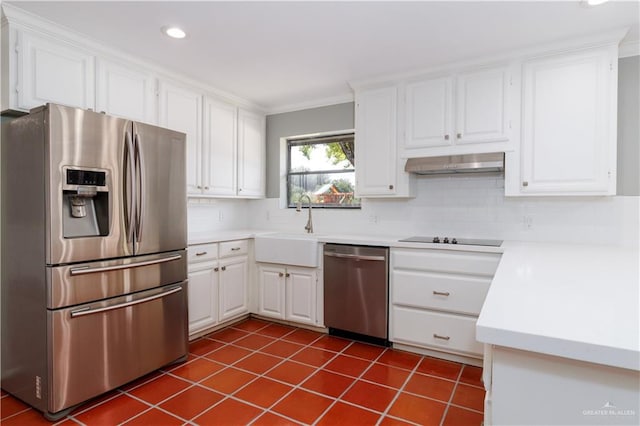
x,y
356,291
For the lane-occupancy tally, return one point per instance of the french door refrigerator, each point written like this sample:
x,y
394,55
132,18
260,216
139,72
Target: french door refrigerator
x,y
94,236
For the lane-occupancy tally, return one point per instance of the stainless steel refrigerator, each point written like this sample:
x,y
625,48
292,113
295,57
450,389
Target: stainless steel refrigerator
x,y
94,233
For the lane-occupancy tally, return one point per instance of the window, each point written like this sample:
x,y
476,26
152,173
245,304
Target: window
x,y
322,168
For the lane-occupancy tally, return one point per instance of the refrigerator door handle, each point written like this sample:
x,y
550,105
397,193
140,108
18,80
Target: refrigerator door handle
x,y
89,311
87,270
140,186
129,199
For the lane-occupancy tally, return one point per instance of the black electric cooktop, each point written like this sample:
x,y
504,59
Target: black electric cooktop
x,y
453,240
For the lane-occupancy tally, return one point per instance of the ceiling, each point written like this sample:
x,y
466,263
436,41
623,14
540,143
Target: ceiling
x,y
290,55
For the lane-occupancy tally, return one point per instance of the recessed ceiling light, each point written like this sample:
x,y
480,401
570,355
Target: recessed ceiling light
x,y
595,2
174,32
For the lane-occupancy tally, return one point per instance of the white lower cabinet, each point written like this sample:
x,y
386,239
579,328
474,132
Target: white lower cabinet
x,y
218,283
436,296
288,293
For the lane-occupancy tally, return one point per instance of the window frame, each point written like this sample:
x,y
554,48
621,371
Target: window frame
x,y
292,142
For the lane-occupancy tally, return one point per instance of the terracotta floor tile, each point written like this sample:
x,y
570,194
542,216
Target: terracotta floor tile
x,y
204,346
251,325
431,387
291,372
281,348
313,356
302,406
154,417
363,350
228,354
258,363
331,343
229,412
112,412
275,330
472,375
270,419
67,422
29,417
417,409
399,359
302,336
159,389
228,335
390,421
254,341
191,402
10,406
440,368
263,392
369,395
469,397
197,370
348,365
328,383
348,415
459,416
386,375
228,380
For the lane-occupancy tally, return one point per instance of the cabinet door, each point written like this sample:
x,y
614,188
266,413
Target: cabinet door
x,y
53,71
181,110
301,294
375,142
481,110
125,92
251,155
234,298
203,295
219,148
271,287
569,136
428,113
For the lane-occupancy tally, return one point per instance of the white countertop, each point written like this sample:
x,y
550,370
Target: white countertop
x,y
575,301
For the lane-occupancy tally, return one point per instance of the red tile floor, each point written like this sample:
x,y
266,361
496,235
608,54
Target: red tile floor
x,y
262,373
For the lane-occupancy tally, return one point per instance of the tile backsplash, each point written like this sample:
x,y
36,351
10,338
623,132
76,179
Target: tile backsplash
x,y
469,206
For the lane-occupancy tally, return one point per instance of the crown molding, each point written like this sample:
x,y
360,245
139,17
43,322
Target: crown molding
x,y
317,103
629,48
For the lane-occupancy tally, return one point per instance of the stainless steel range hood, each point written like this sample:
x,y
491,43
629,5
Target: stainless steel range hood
x,y
467,163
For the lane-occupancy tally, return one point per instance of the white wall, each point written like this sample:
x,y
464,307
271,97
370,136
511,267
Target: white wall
x,y
470,206
209,215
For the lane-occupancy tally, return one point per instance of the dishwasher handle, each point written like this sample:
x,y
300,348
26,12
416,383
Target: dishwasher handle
x,y
354,256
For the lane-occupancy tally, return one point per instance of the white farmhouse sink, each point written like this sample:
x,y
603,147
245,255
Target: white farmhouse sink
x,y
287,249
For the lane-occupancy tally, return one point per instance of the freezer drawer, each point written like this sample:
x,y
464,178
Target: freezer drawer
x,y
86,282
112,342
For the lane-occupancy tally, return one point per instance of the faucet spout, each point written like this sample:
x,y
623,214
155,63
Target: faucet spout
x,y
309,226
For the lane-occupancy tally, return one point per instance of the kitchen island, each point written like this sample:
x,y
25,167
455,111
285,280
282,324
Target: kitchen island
x,y
561,331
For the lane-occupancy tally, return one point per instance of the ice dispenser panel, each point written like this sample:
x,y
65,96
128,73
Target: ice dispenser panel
x,y
85,203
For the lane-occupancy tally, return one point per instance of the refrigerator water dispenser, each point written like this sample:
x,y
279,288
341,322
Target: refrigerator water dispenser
x,y
85,201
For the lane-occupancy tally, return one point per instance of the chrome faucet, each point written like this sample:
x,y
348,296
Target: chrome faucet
x,y
309,226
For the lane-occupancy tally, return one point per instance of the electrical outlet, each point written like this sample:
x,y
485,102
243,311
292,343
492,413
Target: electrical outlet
x,y
373,218
527,221
220,216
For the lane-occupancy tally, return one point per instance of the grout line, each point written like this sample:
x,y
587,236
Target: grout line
x,y
453,392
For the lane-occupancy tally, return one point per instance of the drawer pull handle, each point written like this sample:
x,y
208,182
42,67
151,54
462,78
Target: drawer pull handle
x,y
235,248
280,274
202,253
437,336
441,293
216,269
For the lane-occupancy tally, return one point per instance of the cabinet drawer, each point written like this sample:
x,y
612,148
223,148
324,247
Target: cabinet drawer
x,y
446,292
234,248
202,252
436,330
461,262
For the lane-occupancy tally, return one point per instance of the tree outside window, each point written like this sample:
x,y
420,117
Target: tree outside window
x,y
324,169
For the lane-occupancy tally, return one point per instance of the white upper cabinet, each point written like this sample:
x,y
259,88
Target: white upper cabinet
x,y
52,71
251,155
220,149
181,110
569,125
126,92
446,115
378,173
